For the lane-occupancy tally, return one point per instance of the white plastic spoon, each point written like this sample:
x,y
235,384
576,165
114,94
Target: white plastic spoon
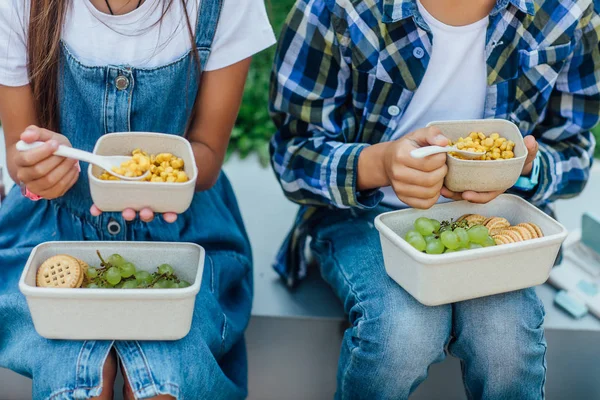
x,y
105,162
431,150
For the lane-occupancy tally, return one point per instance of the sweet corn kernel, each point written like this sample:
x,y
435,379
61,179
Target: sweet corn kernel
x,y
507,154
164,167
493,147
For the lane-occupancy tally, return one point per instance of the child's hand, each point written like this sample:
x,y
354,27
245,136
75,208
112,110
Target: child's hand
x,y
485,197
129,214
43,173
417,182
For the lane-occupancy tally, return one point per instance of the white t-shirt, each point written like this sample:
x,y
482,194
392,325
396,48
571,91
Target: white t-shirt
x,y
454,85
135,39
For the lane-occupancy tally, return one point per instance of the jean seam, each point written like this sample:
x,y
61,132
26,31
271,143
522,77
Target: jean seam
x,y
358,303
152,382
212,274
223,336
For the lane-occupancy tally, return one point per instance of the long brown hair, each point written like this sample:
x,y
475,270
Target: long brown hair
x,y
46,20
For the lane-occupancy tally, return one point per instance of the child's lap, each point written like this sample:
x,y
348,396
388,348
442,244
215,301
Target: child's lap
x,y
222,311
186,364
347,248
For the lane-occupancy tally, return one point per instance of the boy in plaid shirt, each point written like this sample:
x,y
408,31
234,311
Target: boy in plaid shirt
x,y
354,84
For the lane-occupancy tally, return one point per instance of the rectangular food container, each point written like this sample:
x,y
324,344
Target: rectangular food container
x,y
159,196
115,314
483,175
452,277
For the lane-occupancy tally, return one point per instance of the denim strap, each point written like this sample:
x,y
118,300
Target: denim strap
x,y
208,19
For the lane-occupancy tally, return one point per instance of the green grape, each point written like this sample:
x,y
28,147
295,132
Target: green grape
x,y
416,240
92,273
119,285
450,251
463,237
171,285
436,225
132,284
161,284
435,247
424,226
184,284
165,269
488,242
127,269
113,275
143,277
450,240
478,234
429,238
475,246
93,286
115,260
410,234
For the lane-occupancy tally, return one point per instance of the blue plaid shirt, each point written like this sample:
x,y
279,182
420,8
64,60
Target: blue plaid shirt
x,y
340,66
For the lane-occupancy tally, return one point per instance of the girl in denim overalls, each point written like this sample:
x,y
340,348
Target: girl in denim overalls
x,y
160,91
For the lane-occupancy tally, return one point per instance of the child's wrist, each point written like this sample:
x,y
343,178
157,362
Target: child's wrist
x,y
30,195
371,172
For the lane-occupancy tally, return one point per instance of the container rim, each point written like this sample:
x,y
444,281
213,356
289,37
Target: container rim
x,y
485,121
434,259
190,182
113,294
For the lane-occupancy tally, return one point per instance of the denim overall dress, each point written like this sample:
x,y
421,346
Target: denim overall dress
x,y
210,362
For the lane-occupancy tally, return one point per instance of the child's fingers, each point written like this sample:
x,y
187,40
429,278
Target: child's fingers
x,y
60,188
422,204
55,178
170,217
128,214
413,176
43,168
418,192
481,198
35,134
532,148
95,211
146,214
431,136
32,157
447,193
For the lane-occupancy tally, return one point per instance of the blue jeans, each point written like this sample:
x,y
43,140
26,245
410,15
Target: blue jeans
x,y
393,339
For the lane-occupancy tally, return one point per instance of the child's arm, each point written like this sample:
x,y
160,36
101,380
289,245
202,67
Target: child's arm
x,y
316,153
566,143
42,173
216,110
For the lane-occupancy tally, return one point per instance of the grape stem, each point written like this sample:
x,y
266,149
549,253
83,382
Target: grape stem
x,y
158,278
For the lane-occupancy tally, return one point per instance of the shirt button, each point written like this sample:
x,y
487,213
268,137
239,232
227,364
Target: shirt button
x,y
122,82
113,227
394,110
418,52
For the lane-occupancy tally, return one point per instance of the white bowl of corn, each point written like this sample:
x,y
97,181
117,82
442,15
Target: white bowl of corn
x,y
169,185
503,154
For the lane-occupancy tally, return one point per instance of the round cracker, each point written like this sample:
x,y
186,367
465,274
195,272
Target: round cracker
x,y
522,231
530,229
60,271
516,237
502,239
462,217
475,219
538,230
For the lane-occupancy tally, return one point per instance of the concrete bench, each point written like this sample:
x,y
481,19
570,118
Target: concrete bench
x,y
294,337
